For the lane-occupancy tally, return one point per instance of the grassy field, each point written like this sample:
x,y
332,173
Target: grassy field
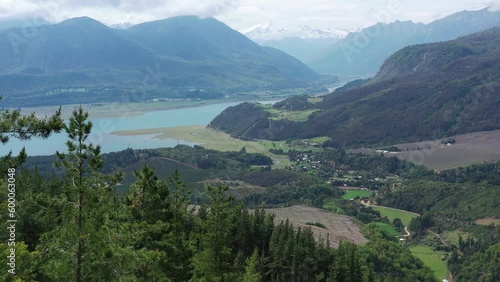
x,y
314,100
331,206
212,139
431,259
338,227
218,140
387,228
351,194
391,214
292,115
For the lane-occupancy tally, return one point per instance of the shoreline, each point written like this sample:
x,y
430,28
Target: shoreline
x,y
118,109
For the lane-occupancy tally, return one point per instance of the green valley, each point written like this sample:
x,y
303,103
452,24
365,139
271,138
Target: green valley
x,y
180,150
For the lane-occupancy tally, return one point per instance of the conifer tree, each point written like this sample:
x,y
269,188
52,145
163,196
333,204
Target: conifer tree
x,y
13,124
150,209
82,248
252,272
214,260
181,225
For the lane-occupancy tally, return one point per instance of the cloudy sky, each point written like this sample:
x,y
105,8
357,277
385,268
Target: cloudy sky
x,y
242,14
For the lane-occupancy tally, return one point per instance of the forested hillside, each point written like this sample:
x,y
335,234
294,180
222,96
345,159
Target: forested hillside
x,y
81,60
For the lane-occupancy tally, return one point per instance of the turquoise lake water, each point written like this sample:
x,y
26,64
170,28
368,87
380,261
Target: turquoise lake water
x,y
102,128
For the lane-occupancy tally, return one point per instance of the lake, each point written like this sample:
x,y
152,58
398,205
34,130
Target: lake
x,y
102,128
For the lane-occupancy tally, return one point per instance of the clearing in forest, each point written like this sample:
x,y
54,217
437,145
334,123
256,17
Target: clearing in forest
x,y
338,227
391,214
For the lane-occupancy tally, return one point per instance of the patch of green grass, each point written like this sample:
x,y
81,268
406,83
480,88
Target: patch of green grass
x,y
391,214
432,259
351,194
452,236
320,139
299,116
332,206
317,224
314,100
275,145
387,228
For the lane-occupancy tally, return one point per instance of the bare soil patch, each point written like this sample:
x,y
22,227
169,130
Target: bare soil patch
x,y
488,221
237,188
338,227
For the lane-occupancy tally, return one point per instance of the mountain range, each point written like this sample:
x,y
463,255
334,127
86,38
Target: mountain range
x,y
81,60
268,31
302,42
363,52
422,92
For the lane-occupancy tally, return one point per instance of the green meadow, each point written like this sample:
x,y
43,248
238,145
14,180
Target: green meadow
x,y
351,194
432,259
391,214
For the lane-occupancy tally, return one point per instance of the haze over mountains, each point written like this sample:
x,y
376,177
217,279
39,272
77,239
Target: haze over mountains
x,y
82,60
422,92
363,52
302,42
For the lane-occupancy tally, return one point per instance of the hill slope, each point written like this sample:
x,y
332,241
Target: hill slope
x,y
422,92
362,53
81,60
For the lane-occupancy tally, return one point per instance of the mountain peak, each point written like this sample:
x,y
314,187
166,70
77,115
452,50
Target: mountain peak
x,y
83,19
122,26
80,22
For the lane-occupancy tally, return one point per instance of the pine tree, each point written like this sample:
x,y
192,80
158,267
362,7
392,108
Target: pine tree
x,y
83,247
252,273
150,208
214,261
182,221
24,127
161,222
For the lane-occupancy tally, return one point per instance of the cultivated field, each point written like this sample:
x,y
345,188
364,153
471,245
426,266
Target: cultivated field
x,y
338,227
432,259
351,194
391,214
468,149
471,148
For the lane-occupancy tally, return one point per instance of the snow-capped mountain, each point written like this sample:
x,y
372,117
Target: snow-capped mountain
x,y
121,25
267,31
308,32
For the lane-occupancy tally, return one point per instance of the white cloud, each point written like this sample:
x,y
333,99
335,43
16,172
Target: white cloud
x,y
241,14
